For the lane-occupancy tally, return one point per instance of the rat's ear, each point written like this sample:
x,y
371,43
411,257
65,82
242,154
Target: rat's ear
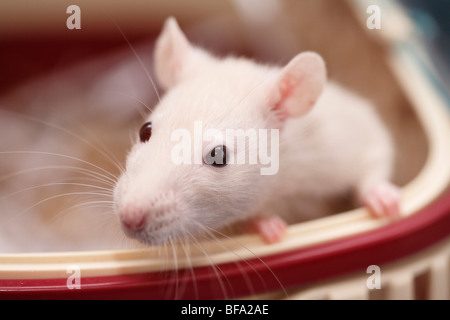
x,y
172,50
299,85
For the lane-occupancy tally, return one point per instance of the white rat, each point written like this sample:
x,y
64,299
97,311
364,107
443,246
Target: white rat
x,y
330,142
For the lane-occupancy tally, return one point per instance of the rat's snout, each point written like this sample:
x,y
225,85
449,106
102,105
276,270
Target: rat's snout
x,y
132,219
150,218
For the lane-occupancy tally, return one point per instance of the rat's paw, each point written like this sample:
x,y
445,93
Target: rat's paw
x,y
271,229
383,200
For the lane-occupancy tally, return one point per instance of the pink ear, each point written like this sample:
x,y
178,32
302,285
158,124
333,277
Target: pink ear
x,y
299,85
172,50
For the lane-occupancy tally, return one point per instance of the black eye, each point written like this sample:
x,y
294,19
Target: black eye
x,y
146,132
217,157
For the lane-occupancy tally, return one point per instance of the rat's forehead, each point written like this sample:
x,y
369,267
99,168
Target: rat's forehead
x,y
209,100
187,104
224,97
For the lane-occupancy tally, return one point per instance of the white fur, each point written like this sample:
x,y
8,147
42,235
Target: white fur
x,y
339,146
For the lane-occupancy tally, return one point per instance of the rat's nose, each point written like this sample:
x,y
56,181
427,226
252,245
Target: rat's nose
x,y
132,220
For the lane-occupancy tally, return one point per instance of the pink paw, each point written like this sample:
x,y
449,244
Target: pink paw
x,y
383,200
271,229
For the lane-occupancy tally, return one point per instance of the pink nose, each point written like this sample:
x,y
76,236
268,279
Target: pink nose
x,y
134,221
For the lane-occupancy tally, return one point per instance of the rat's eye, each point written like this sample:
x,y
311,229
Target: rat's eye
x,y
146,132
217,157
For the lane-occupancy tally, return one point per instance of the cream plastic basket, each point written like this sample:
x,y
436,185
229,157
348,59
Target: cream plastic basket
x,y
324,258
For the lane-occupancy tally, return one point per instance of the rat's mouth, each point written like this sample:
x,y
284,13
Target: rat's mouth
x,y
151,237
155,232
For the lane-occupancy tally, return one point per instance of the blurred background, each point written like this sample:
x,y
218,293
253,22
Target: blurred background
x,y
432,25
35,39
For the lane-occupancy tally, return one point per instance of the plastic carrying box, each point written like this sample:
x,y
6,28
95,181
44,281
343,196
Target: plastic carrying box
x,y
327,258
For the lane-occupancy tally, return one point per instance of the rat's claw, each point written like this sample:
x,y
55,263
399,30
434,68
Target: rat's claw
x,y
270,228
384,201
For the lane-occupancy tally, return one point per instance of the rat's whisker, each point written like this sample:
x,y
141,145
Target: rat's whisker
x,y
138,59
146,106
104,150
67,194
211,233
186,249
68,132
219,273
54,184
176,270
113,177
85,205
234,240
94,180
98,177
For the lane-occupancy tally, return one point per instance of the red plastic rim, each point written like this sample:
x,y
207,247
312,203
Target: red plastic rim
x,y
253,276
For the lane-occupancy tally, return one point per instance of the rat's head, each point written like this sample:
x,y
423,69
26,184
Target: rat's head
x,y
209,150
